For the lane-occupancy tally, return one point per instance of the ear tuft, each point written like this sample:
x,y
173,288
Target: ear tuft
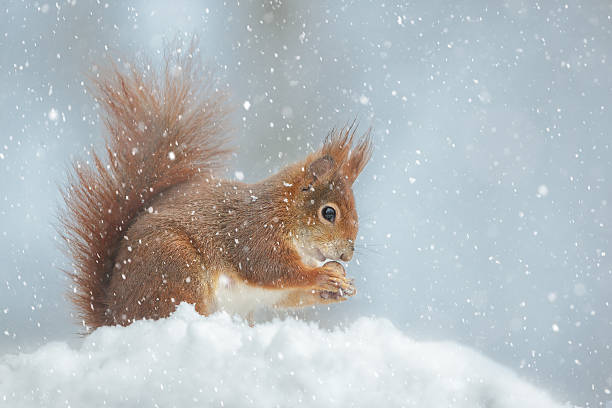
x,y
340,158
359,156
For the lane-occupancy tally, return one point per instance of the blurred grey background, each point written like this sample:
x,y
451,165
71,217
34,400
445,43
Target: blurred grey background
x,y
485,213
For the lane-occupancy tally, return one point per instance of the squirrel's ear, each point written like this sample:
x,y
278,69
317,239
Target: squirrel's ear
x,y
321,167
359,157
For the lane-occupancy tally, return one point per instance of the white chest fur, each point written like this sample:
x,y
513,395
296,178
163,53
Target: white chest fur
x,y
236,297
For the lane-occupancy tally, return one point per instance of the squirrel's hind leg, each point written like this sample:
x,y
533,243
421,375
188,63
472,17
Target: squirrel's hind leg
x,y
154,272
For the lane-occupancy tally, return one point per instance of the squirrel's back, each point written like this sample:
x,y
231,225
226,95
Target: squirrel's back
x,y
162,130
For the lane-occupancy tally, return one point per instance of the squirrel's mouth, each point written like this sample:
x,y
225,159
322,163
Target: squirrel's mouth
x,y
312,256
319,255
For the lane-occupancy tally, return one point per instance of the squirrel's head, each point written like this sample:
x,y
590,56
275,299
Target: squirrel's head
x,y
320,192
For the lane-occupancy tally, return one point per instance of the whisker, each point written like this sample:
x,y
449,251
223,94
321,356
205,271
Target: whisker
x,y
368,251
369,245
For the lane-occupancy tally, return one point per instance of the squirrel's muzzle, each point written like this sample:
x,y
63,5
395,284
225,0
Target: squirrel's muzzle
x,y
347,254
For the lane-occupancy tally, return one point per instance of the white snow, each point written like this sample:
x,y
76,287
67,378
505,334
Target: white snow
x,y
543,190
188,360
52,114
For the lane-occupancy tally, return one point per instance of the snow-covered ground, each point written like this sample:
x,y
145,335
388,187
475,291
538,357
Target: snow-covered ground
x,y
188,360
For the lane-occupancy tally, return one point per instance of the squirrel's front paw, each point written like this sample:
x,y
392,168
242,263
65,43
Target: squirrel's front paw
x,y
332,283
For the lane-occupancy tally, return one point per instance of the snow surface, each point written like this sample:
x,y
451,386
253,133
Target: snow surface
x,y
188,360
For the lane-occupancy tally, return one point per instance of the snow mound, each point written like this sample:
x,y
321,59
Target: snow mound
x,y
188,360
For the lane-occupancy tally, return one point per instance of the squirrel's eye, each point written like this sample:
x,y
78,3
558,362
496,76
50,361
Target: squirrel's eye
x,y
328,213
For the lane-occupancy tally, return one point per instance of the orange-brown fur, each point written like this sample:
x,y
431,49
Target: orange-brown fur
x,y
152,226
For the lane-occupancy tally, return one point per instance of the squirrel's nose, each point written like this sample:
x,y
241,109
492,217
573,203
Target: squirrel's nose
x,y
348,253
346,256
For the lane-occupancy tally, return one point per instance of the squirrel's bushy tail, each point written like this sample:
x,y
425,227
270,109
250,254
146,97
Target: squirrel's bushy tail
x,y
163,128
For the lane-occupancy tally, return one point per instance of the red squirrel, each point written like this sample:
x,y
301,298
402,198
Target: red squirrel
x,y
153,226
